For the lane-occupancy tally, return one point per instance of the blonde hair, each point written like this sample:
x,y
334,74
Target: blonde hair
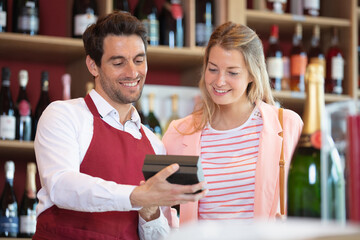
x,y
235,36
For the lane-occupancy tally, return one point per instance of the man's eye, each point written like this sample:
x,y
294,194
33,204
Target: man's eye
x,y
139,60
117,63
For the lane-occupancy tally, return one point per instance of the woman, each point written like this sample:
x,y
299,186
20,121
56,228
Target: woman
x,y
235,131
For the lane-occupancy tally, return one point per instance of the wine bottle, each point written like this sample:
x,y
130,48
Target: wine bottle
x,y
146,11
85,13
26,16
171,24
174,110
7,108
204,21
277,6
3,15
312,7
334,66
153,122
304,197
27,213
316,54
143,118
121,5
274,60
66,81
298,61
23,109
43,102
296,7
9,220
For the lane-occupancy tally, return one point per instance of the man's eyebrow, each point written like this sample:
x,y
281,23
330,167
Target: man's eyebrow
x,y
122,57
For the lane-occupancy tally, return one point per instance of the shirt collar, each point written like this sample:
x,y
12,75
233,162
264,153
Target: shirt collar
x,y
104,108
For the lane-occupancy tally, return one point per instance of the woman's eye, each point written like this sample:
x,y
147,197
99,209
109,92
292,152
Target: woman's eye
x,y
233,73
212,70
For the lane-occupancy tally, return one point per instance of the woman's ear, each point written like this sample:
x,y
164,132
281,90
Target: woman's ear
x,y
91,65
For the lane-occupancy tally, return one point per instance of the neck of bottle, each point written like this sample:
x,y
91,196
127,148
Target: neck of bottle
x,y
30,184
314,106
9,175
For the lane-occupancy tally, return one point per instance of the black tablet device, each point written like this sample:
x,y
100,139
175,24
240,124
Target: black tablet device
x,y
190,171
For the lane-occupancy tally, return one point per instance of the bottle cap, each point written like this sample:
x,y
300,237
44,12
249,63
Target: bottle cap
x,y
23,78
275,30
31,167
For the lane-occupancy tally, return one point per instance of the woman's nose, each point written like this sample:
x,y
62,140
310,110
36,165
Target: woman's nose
x,y
220,81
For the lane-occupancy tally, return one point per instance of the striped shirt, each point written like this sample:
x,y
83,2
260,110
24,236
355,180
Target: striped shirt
x,y
229,161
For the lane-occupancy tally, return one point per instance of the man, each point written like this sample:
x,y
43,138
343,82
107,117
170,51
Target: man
x,y
90,151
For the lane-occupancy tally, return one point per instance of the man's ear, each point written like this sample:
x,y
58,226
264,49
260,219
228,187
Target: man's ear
x,y
92,67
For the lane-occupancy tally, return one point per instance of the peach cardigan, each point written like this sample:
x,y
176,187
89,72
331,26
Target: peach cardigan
x,y
267,168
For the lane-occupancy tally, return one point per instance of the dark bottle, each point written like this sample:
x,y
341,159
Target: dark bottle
x,y
27,213
138,107
23,110
43,102
26,16
204,21
274,61
316,54
7,108
312,7
298,61
85,13
3,15
334,66
276,6
146,11
9,221
121,5
304,188
171,24
153,122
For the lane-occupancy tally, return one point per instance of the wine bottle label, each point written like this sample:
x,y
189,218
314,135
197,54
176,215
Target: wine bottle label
x,y
28,223
311,4
298,65
275,67
24,108
7,127
337,70
153,30
28,23
2,19
200,34
9,224
82,21
311,140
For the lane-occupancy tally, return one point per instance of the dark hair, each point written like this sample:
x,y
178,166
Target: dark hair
x,y
117,23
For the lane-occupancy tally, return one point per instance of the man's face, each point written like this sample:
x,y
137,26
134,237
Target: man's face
x,y
123,69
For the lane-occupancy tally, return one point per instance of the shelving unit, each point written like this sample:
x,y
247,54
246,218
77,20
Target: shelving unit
x,y
188,60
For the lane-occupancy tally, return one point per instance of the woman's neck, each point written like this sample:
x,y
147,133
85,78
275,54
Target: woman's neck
x,y
231,116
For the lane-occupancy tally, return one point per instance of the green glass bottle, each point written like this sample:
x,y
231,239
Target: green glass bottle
x,y
304,187
153,123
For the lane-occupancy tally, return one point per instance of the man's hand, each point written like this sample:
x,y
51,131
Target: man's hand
x,y
156,191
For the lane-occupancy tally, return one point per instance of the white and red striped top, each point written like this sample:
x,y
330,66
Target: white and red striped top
x,y
229,161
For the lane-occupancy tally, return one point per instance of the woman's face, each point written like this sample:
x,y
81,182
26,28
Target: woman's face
x,y
226,76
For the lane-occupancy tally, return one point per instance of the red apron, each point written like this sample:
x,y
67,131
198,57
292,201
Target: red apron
x,y
113,155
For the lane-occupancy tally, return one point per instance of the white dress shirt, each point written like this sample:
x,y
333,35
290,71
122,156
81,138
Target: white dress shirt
x,y
63,136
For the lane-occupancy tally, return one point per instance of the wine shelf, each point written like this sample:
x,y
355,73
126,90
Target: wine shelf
x,y
261,20
62,50
17,150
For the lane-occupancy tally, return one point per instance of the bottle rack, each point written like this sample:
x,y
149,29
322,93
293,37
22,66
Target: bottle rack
x,y
187,61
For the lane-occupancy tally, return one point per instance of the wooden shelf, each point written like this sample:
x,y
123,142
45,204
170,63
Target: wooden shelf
x,y
21,47
261,21
17,150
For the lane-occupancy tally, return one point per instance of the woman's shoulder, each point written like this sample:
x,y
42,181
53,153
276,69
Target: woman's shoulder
x,y
289,115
